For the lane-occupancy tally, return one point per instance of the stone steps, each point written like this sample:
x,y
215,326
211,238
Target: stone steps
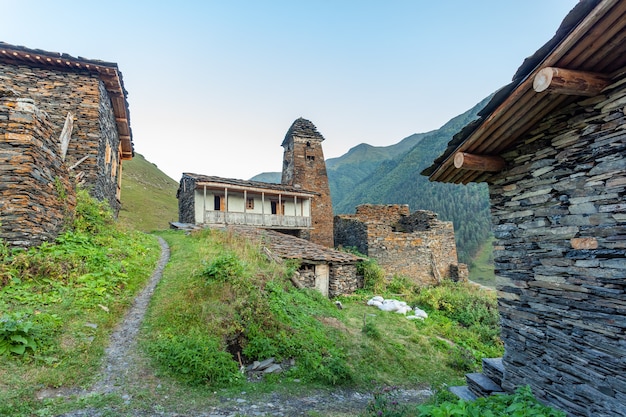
x,y
482,384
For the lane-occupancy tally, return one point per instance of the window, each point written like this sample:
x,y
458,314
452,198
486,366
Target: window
x,y
250,204
274,205
310,158
217,203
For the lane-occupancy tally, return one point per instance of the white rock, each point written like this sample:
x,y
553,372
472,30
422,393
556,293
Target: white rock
x,y
420,313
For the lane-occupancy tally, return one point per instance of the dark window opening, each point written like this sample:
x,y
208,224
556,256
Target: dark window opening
x,y
308,144
274,205
217,203
310,158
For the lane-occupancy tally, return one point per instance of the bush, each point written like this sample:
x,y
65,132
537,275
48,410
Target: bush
x,y
16,334
195,358
373,276
520,404
226,267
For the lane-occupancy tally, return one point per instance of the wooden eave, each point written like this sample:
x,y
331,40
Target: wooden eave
x,y
221,186
108,72
597,44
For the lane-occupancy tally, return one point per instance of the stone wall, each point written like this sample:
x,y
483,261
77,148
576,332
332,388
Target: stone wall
x,y
343,279
82,93
417,245
560,222
37,196
186,202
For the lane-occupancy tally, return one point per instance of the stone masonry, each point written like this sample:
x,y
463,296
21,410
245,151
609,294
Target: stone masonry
x,y
94,134
37,195
304,167
560,223
417,245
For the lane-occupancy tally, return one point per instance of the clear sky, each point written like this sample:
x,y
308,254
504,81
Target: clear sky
x,y
213,86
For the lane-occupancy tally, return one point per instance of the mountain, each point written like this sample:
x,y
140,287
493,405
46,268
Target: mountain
x,y
148,196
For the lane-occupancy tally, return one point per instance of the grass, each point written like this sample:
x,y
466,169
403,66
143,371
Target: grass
x,y
148,196
369,346
72,293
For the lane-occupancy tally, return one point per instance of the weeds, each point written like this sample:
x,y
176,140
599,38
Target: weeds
x,y
60,299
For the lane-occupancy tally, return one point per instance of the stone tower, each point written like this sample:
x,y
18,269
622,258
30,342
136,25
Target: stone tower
x,y
304,167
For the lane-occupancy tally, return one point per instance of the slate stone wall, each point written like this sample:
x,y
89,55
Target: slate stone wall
x,y
417,246
37,196
559,216
82,93
186,202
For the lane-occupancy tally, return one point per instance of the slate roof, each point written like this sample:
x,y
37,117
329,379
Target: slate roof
x,y
302,128
291,247
108,72
590,38
233,182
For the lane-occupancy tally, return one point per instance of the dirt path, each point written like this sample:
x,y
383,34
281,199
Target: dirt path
x,y
125,370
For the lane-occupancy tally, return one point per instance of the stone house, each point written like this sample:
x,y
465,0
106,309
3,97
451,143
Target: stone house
x,y
329,271
552,148
415,245
58,114
222,201
300,205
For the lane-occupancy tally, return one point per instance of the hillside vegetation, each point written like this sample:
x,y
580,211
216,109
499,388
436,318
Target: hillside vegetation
x,y
60,301
148,196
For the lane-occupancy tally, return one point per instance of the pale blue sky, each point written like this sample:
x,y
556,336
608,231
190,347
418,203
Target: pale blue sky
x,y
214,85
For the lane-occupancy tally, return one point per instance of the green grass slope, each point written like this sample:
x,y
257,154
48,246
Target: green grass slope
x,y
148,196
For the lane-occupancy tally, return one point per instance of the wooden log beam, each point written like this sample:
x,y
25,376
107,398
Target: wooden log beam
x,y
490,163
569,82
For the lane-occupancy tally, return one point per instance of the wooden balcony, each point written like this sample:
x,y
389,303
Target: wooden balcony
x,y
255,219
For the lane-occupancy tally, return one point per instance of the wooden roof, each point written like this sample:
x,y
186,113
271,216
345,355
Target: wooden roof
x,y
591,38
255,186
108,72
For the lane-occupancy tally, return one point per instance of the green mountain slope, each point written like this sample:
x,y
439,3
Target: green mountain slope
x,y
148,196
398,181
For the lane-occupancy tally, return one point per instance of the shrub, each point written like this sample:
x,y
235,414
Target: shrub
x,y
373,276
520,404
195,358
225,267
16,334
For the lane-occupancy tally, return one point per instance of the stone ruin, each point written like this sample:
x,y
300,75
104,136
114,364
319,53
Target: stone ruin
x,y
415,245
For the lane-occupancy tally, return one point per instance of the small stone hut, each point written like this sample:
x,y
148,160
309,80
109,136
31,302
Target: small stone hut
x,y
329,271
552,147
58,114
415,245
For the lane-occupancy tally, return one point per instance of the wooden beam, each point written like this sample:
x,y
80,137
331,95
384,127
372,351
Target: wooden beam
x,y
490,163
569,82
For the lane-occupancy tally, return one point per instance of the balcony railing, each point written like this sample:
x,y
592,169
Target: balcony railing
x,y
255,219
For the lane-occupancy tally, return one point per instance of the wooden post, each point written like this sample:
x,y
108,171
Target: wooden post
x,y
245,206
569,82
204,207
489,163
263,208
